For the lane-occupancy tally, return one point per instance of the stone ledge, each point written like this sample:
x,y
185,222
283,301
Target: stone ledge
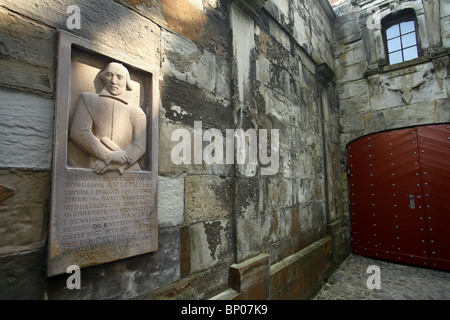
x,y
229,294
300,275
420,60
195,287
246,274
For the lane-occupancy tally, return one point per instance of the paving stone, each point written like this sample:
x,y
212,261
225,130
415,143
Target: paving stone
x,y
398,282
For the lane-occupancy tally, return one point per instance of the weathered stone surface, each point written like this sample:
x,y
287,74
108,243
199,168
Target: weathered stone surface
x,y
445,27
248,239
263,70
349,30
127,278
351,72
22,276
210,244
166,164
279,106
143,45
442,110
246,274
353,123
207,197
198,105
279,193
243,46
353,89
432,14
184,16
271,222
202,285
26,140
184,60
300,275
23,215
170,201
22,46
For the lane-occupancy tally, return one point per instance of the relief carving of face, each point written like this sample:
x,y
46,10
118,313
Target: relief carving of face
x,y
116,79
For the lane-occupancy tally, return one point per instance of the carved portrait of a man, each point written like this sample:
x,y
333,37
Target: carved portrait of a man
x,y
107,127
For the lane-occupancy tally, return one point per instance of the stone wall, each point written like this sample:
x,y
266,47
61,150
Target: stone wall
x,y
229,65
375,96
287,43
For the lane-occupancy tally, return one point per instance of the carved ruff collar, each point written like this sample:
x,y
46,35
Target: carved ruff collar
x,y
125,98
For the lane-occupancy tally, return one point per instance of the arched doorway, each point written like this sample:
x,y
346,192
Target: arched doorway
x,y
399,185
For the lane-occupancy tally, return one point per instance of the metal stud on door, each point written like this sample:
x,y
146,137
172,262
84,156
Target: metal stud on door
x,y
390,218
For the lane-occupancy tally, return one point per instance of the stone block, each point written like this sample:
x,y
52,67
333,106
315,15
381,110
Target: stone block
x,y
353,89
352,72
270,221
210,244
263,70
156,269
279,106
302,191
228,294
28,54
250,272
375,122
21,276
301,32
442,110
420,113
26,139
183,16
170,201
353,123
248,239
144,44
185,254
355,105
432,14
23,215
184,60
195,104
280,273
243,43
166,146
279,193
445,9
207,197
349,30
280,35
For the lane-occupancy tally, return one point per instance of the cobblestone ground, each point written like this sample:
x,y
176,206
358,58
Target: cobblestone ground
x,y
398,282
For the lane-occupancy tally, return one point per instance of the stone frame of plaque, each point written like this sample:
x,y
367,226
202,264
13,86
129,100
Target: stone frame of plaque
x,y
102,216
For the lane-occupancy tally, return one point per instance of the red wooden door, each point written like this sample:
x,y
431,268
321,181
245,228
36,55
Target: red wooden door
x,y
434,153
399,191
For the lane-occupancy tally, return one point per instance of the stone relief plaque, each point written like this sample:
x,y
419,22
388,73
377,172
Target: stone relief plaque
x,y
105,166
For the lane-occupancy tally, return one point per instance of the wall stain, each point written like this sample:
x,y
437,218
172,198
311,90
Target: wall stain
x,y
181,16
